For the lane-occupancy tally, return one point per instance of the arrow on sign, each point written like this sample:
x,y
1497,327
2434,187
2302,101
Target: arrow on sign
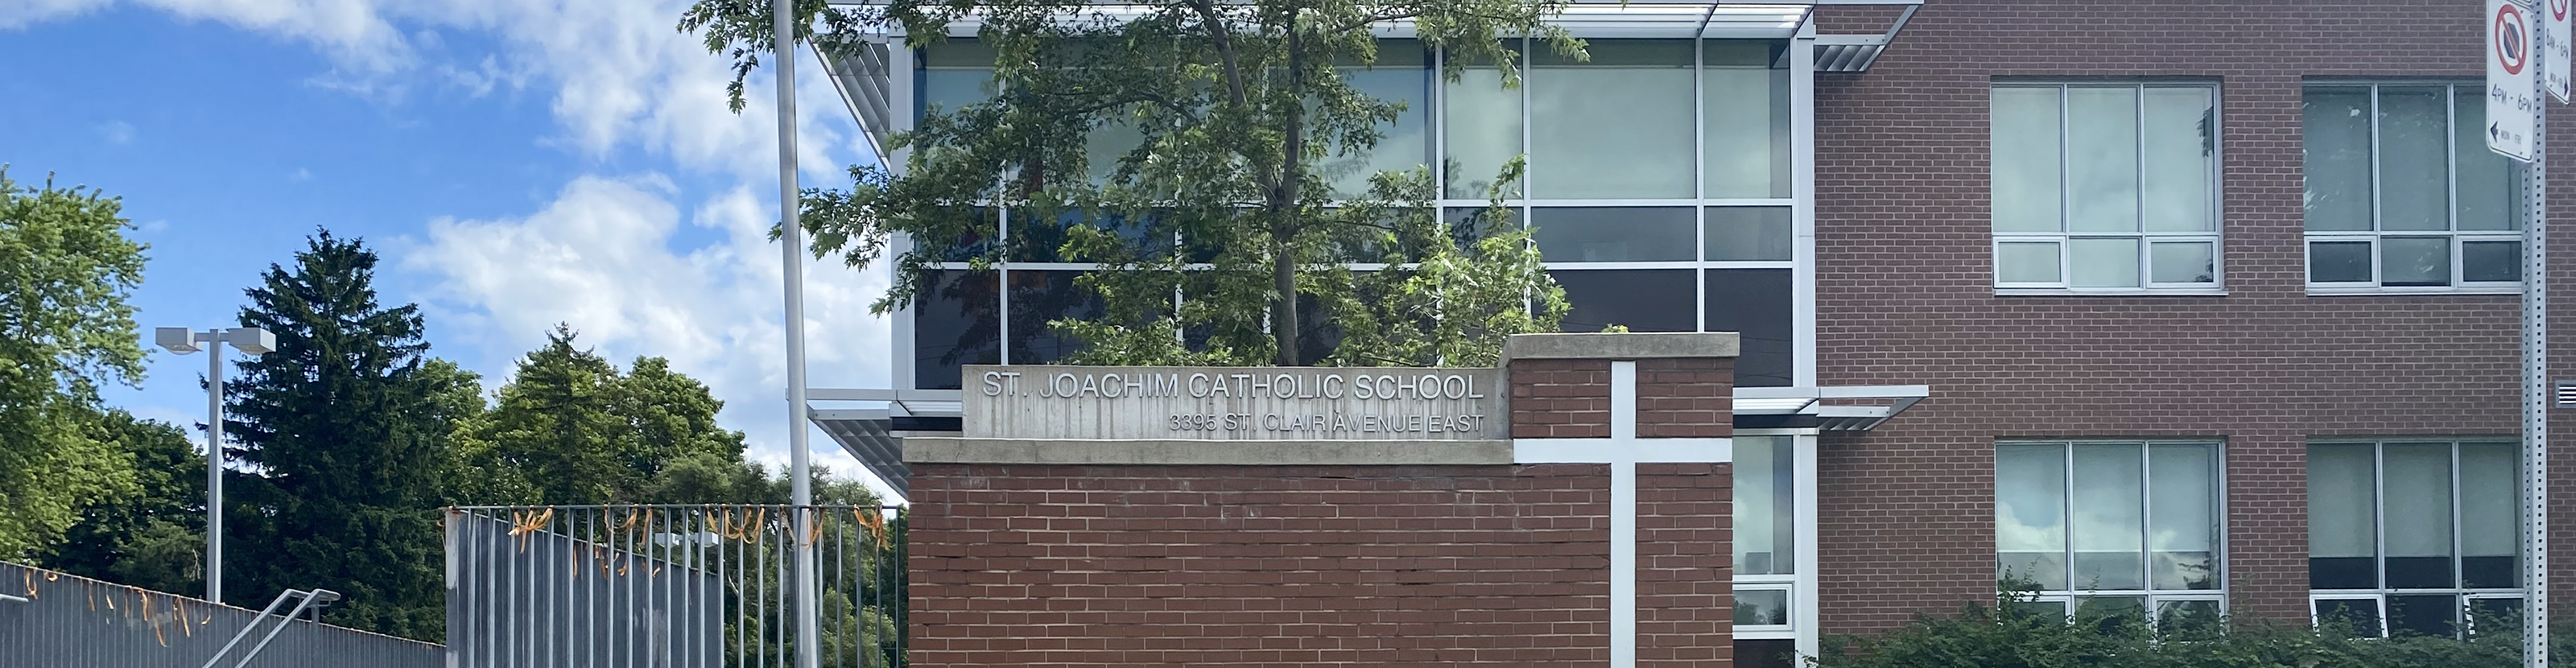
x,y
2495,131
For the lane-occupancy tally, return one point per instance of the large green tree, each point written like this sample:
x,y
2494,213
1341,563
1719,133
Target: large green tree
x,y
571,428
1224,116
65,331
339,433
154,538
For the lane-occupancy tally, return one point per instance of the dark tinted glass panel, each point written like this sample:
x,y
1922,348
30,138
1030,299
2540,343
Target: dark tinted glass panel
x,y
985,221
1643,300
2109,613
1737,233
2420,572
2494,615
2188,618
1756,304
1766,654
955,324
2033,608
2359,617
1038,297
2436,615
1041,238
2339,262
2491,261
2342,573
1317,334
2488,572
1613,234
1761,607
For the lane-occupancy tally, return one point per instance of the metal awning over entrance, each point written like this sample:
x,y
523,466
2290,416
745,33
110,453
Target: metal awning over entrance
x,y
874,436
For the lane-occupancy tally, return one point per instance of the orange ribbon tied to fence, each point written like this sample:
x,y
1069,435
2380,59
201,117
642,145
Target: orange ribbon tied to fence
x,y
868,518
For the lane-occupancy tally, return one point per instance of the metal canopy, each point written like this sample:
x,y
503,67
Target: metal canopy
x,y
1810,401
875,435
868,436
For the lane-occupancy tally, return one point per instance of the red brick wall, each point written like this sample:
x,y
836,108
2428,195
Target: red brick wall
x,y
1560,398
1016,565
1904,293
1685,575
1686,398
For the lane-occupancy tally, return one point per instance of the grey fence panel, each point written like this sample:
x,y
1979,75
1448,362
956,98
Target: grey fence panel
x,y
56,620
667,586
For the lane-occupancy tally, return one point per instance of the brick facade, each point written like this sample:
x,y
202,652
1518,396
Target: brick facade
x,y
1685,581
1904,294
1561,399
1017,565
1316,565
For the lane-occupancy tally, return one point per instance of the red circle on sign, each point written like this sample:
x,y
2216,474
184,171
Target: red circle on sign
x,y
2512,48
2557,10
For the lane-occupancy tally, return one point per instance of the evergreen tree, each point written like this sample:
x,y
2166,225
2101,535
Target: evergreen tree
x,y
338,436
579,431
65,330
554,424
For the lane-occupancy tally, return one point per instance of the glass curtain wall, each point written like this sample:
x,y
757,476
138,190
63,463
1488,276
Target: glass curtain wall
x,y
1658,180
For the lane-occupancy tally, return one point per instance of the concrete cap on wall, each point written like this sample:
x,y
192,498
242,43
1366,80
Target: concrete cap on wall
x,y
1621,345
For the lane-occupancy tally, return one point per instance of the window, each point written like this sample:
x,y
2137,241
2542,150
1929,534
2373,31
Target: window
x,y
1615,126
2105,187
1400,75
2106,526
1659,181
2408,536
1766,542
2401,192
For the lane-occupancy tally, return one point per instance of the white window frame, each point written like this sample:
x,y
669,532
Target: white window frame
x,y
2373,236
2147,240
1800,582
2152,597
2379,528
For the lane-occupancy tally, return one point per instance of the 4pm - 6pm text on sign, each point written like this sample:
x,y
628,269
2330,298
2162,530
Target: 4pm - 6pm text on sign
x,y
1229,403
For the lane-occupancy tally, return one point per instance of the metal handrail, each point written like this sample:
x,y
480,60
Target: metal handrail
x,y
308,599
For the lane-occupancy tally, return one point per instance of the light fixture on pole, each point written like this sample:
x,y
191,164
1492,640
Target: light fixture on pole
x,y
254,342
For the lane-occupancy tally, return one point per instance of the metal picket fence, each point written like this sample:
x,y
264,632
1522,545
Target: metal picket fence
x,y
668,586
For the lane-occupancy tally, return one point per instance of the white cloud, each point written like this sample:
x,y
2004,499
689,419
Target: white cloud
x,y
355,34
116,132
301,174
598,258
601,255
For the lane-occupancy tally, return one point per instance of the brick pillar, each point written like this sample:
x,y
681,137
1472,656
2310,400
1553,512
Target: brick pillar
x,y
1658,409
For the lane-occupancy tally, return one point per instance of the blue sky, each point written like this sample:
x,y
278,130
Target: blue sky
x,y
516,164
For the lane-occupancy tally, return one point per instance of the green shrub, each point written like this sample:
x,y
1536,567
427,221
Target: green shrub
x,y
2004,635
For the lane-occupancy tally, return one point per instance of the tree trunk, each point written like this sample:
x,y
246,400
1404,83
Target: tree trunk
x,y
1283,313
1284,324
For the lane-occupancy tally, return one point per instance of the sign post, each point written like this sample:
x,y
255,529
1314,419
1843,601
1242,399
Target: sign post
x,y
2517,88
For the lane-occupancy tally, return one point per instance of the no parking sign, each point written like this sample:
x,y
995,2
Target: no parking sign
x,y
2511,98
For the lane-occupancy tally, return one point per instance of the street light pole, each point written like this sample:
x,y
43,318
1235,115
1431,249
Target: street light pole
x,y
791,239
250,340
215,467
